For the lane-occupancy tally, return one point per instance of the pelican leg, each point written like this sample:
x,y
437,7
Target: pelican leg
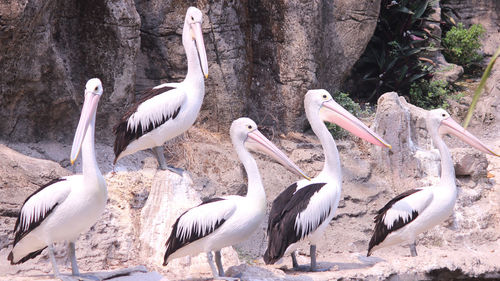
x,y
312,252
72,255
314,265
210,259
413,249
53,261
296,265
294,261
158,151
218,261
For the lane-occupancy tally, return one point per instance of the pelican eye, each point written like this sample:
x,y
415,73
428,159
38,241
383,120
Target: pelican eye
x,y
192,18
324,96
96,88
249,127
444,115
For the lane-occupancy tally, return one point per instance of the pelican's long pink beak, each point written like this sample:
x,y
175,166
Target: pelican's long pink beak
x,y
88,112
334,113
258,142
200,47
449,126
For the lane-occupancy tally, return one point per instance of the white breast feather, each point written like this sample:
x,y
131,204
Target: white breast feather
x,y
319,205
156,108
43,201
170,85
203,218
417,201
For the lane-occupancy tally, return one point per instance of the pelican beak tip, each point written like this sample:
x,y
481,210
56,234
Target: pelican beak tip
x,y
72,161
206,76
389,146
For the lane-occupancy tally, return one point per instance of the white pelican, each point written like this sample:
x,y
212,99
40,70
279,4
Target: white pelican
x,y
305,208
170,109
225,221
66,207
417,210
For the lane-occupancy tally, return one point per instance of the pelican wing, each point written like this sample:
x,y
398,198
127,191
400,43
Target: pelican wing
x,y
155,107
301,214
400,211
36,208
198,222
279,204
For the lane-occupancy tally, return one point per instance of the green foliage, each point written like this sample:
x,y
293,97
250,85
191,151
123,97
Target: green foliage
x,y
462,44
346,102
391,59
429,95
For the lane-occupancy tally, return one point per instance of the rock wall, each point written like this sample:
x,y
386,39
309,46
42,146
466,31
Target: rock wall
x,y
485,12
263,55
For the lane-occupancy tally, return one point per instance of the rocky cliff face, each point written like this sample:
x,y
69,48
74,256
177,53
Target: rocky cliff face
x,y
485,12
263,56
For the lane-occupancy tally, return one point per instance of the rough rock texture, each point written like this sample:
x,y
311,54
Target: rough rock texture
x,y
488,107
20,175
444,71
263,56
485,12
403,126
49,51
141,209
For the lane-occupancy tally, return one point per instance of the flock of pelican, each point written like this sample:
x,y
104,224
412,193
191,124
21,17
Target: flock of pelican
x,y
66,207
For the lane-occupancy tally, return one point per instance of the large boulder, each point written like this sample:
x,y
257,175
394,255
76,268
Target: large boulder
x,y
263,57
49,51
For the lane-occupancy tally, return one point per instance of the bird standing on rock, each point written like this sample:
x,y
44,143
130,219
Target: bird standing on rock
x,y
64,208
170,109
417,210
220,222
305,208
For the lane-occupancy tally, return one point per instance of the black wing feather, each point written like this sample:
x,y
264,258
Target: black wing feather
x,y
281,226
174,242
124,136
20,233
381,231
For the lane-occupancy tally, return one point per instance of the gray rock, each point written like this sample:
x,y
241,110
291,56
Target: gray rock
x,y
263,57
247,272
444,70
469,162
403,126
485,12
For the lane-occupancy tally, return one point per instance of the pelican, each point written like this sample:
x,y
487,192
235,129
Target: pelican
x,y
417,210
170,109
68,206
220,222
305,208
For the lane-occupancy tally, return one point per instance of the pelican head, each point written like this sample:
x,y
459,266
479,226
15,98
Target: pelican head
x,y
93,92
244,131
440,119
321,102
192,24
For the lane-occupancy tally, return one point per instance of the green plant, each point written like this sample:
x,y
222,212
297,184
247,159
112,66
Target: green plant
x,y
461,45
346,102
391,61
429,95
